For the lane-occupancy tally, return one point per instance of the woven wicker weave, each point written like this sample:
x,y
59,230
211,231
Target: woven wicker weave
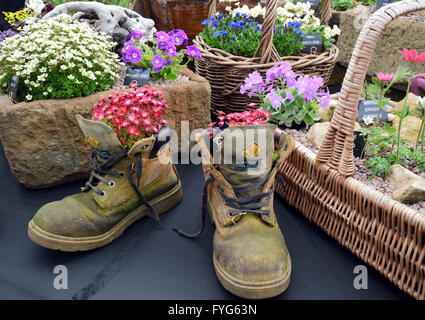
x,y
226,72
384,233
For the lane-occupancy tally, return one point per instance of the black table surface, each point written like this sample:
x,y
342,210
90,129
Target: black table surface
x,y
149,263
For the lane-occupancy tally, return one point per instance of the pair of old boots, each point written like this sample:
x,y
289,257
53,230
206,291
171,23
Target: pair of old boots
x,y
250,256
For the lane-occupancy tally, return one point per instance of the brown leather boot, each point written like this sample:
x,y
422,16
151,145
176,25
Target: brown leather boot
x,y
125,186
250,256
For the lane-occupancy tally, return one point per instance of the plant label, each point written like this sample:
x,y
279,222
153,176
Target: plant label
x,y
12,90
370,108
312,42
383,3
313,3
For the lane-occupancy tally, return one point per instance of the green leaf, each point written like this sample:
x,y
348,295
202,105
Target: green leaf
x,y
171,76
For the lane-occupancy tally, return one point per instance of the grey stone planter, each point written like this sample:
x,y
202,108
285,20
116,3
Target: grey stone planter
x,y
45,147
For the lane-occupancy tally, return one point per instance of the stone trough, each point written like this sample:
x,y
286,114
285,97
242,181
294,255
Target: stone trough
x,y
45,147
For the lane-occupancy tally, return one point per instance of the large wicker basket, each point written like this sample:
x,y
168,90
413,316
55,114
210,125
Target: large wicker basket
x,y
384,233
226,72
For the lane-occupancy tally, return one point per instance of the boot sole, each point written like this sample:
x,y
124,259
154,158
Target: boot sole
x,y
70,244
253,290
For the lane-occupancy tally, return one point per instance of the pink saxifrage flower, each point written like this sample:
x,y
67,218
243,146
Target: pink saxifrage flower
x,y
132,115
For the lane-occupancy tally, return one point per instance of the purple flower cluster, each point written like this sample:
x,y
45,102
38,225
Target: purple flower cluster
x,y
9,33
158,62
307,86
193,51
130,53
253,84
136,34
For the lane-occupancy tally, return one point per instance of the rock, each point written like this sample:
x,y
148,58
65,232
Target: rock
x,y
410,127
408,187
399,34
45,147
326,114
190,101
412,101
42,141
317,132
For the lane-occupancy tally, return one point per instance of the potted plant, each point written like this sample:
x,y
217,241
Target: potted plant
x,y
64,67
162,57
292,100
236,44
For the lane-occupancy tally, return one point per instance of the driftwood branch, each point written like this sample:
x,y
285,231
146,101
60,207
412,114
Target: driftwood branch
x,y
114,20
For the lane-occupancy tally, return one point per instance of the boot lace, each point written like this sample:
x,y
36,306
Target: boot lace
x,y
102,168
242,205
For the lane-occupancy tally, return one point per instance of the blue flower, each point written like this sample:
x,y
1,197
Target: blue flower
x,y
205,22
295,24
220,16
299,31
220,33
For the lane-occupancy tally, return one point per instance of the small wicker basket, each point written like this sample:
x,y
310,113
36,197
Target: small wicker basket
x,y
383,232
226,72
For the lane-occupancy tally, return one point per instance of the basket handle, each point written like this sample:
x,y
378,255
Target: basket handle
x,y
269,52
337,147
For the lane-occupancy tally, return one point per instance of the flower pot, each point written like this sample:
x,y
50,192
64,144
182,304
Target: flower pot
x,y
138,74
45,147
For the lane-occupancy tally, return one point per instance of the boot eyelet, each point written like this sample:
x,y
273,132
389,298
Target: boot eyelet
x,y
102,194
144,147
121,174
111,184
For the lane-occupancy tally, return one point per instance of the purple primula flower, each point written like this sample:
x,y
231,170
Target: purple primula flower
x,y
178,37
308,86
253,84
417,83
193,51
136,34
289,95
163,45
167,63
2,37
291,78
133,55
278,71
171,51
127,45
158,62
325,100
275,99
162,36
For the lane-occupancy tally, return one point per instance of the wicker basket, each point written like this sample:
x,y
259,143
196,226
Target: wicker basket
x,y
226,72
384,233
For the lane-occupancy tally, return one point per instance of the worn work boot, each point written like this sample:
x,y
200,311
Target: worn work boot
x,y
124,186
250,256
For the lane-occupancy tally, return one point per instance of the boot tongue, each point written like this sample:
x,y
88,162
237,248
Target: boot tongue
x,y
101,136
247,156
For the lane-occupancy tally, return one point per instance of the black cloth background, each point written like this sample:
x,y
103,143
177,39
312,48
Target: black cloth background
x,y
149,263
